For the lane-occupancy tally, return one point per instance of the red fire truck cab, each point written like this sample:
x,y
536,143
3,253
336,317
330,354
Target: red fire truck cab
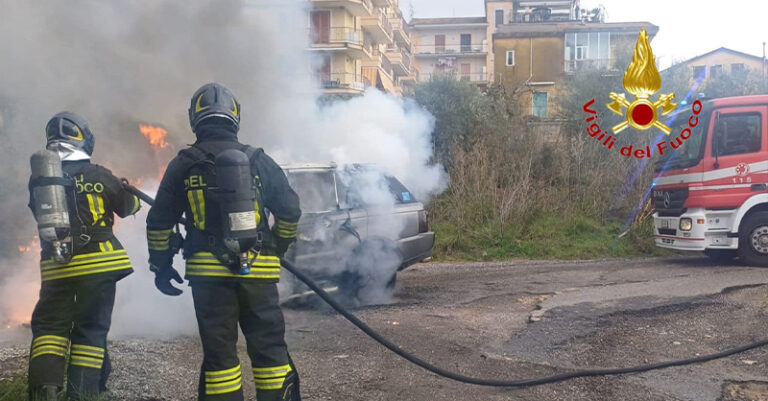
x,y
711,193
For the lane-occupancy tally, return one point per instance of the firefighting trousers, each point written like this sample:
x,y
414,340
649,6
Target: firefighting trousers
x,y
219,306
71,320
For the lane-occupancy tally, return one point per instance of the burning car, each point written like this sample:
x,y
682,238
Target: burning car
x,y
359,227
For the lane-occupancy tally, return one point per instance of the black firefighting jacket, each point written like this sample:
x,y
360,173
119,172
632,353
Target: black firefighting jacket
x,y
183,192
97,195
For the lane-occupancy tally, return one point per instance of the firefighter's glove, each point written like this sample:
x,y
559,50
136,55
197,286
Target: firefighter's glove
x,y
282,245
163,277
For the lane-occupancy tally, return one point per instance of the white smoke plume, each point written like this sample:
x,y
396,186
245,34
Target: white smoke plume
x,y
120,64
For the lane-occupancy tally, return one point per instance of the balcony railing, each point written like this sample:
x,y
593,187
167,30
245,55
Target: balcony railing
x,y
474,77
386,65
380,19
400,55
341,80
335,35
398,24
571,66
451,49
358,8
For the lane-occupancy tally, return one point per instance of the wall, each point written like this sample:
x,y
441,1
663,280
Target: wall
x,y
547,60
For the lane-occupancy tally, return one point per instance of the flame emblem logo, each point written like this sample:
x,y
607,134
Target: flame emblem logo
x,y
642,80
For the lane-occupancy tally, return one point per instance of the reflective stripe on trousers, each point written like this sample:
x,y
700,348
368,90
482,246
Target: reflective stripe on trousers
x,y
223,381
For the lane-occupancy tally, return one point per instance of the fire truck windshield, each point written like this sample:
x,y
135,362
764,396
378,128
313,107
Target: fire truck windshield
x,y
691,151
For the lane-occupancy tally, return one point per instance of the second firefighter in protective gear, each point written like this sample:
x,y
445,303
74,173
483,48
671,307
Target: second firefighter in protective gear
x,y
232,263
74,203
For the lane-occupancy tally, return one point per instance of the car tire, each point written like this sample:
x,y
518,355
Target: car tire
x,y
371,272
721,255
753,239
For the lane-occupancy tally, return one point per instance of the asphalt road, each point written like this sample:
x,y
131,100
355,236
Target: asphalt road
x,y
506,321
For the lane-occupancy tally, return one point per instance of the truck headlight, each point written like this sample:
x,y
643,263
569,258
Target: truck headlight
x,y
686,224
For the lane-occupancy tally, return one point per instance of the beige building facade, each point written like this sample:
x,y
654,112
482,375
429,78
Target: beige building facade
x,y
722,61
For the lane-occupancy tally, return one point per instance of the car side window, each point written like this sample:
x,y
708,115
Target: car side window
x,y
737,134
315,189
349,196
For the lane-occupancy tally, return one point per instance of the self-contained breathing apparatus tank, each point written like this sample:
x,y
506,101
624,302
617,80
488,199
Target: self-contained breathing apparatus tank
x,y
236,195
49,191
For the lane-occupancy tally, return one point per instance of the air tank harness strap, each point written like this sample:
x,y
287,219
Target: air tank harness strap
x,y
45,181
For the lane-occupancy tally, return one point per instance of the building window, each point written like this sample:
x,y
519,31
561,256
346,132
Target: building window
x,y
465,71
737,134
439,43
466,43
699,71
539,104
510,58
499,17
715,71
738,68
581,52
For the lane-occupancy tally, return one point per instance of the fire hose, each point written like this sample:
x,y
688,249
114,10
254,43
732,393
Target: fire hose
x,y
480,381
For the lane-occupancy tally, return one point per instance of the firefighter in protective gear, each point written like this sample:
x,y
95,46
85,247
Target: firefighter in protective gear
x,y
224,293
74,312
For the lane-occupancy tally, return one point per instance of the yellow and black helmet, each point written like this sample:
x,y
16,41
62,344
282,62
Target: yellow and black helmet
x,y
72,129
213,100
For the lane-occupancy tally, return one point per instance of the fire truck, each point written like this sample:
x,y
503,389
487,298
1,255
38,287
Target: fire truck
x,y
711,193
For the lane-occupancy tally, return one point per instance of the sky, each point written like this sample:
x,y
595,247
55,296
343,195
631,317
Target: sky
x,y
687,28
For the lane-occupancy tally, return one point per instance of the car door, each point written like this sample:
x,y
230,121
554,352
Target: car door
x,y
323,239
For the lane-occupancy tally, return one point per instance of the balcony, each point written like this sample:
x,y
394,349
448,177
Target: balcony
x,y
337,39
480,78
401,61
402,37
573,66
382,3
452,49
358,8
378,26
341,82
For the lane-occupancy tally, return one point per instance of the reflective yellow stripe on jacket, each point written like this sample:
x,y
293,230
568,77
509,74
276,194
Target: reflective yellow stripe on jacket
x,y
204,264
88,263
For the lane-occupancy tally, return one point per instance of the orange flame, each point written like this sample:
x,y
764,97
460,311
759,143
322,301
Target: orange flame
x,y
642,79
156,135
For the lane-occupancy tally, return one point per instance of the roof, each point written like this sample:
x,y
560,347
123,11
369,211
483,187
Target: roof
x,y
724,50
537,29
448,21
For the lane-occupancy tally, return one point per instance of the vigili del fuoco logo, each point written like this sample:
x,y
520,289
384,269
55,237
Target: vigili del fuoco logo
x,y
642,81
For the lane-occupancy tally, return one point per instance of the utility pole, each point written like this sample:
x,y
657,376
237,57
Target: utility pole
x,y
763,69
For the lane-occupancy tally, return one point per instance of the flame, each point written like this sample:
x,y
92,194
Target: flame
x,y
156,135
35,243
642,79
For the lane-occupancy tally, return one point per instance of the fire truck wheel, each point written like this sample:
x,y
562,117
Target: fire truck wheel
x,y
721,255
753,239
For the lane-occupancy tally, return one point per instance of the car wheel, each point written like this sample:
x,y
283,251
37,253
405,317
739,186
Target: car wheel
x,y
753,239
721,255
371,272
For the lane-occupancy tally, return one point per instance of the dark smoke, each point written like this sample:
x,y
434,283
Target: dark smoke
x,y
125,63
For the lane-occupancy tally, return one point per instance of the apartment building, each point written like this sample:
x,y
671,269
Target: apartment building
x,y
358,44
526,45
457,46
